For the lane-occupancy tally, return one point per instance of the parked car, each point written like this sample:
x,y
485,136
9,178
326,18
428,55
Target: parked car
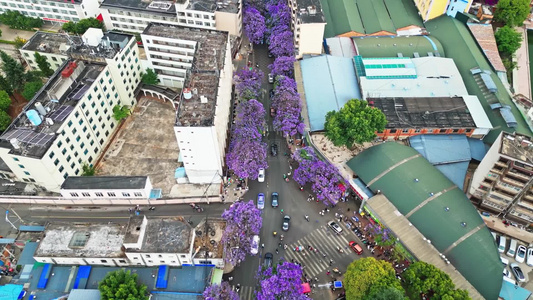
x,y
517,272
274,199
506,273
274,149
261,176
502,244
271,93
521,254
529,260
255,245
286,223
267,262
356,247
261,201
335,227
270,78
272,112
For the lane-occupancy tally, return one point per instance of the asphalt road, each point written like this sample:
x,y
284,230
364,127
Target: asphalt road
x,y
294,203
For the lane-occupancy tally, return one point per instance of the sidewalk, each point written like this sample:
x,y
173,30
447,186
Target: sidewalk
x,y
521,74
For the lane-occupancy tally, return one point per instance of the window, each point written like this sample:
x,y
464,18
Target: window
x,y
69,123
69,158
74,194
86,194
82,145
65,176
71,147
72,165
83,105
137,194
76,154
78,138
21,166
51,155
68,140
99,194
15,159
61,169
64,151
84,128
74,131
126,194
56,162
86,151
80,122
27,173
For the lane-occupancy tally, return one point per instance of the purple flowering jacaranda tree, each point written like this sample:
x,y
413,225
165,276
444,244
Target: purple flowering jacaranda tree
x,y
287,105
281,281
283,65
245,157
251,114
254,24
279,14
322,175
221,291
243,221
248,83
281,43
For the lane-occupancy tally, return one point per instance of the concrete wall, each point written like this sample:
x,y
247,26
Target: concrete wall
x,y
486,164
229,22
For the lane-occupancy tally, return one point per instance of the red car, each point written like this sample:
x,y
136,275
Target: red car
x,y
356,247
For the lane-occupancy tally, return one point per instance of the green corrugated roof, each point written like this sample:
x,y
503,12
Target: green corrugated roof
x,y
403,13
460,45
390,46
368,16
476,257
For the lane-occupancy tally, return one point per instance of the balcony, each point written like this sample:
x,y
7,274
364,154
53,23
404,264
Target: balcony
x,y
492,176
498,195
494,205
496,171
508,187
522,213
501,164
518,174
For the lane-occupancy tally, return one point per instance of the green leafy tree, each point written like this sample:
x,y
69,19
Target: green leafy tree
x,y
122,285
368,277
4,85
120,112
5,120
388,293
0,32
88,170
508,40
150,77
43,64
423,278
13,70
512,12
82,25
5,101
35,75
31,88
17,20
355,122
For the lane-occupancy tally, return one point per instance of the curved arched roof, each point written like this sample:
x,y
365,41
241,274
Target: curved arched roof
x,y
393,169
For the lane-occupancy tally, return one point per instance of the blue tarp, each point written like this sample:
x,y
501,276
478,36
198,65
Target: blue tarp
x,y
82,277
508,116
45,273
162,275
10,291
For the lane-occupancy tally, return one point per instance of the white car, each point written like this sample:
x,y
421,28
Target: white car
x,y
255,245
270,78
521,254
529,260
506,273
261,176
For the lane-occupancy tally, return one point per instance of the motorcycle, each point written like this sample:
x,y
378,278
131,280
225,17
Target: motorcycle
x,y
195,207
340,249
281,237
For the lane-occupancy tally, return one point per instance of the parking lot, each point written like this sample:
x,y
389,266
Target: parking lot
x,y
506,254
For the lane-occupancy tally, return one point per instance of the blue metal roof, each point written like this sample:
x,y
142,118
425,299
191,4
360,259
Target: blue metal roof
x,y
514,292
478,149
26,257
456,172
329,82
10,291
442,149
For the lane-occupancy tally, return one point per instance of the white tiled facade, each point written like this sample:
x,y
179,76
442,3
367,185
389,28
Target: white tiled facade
x,y
55,60
86,130
53,11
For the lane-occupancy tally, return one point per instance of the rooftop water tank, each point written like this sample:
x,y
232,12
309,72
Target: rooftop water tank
x,y
40,108
34,117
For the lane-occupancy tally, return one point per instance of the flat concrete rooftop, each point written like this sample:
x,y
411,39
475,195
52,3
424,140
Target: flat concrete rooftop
x,y
209,230
81,240
145,146
517,146
162,235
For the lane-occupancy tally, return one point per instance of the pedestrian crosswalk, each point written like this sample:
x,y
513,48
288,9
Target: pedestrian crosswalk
x,y
246,292
326,242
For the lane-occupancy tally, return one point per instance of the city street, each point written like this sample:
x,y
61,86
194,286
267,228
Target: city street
x,y
294,203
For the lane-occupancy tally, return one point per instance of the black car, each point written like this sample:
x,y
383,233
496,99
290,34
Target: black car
x,y
275,199
274,149
267,262
271,93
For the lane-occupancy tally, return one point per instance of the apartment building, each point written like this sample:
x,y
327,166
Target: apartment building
x,y
198,60
106,187
503,181
54,11
135,15
145,241
308,24
430,9
69,121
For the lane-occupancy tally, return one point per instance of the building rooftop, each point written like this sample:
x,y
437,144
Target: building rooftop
x,y
31,134
460,45
55,43
104,182
201,84
407,46
517,146
430,112
207,241
329,82
436,207
484,35
81,240
154,7
162,235
430,77
366,17
230,6
310,11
